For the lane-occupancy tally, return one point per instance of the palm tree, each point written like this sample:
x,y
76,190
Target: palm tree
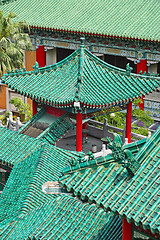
x,y
13,42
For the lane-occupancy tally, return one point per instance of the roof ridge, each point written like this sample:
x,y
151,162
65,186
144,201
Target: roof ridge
x,y
22,72
81,163
151,144
119,70
80,70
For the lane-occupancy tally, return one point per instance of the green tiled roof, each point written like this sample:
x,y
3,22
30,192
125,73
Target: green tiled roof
x,y
125,19
113,188
27,211
23,190
65,218
15,147
34,119
81,77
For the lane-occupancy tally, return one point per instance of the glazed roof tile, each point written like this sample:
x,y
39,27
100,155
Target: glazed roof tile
x,y
113,188
125,19
65,218
134,147
23,190
81,77
15,147
27,211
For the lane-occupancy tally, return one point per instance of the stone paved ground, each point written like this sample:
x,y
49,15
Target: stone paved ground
x,y
70,144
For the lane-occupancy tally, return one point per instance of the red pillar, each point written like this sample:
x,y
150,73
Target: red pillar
x,y
128,121
127,230
41,56
79,132
34,107
142,66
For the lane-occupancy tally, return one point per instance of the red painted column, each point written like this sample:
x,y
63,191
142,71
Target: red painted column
x,y
79,132
142,66
41,56
127,230
34,107
128,121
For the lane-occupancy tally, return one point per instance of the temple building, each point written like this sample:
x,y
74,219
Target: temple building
x,y
117,32
52,185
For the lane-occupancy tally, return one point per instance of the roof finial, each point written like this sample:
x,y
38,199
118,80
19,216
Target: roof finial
x,y
36,68
128,69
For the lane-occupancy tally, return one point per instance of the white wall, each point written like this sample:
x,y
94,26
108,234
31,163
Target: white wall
x,y
51,56
152,68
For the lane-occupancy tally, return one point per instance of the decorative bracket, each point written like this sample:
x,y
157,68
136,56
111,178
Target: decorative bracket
x,y
128,69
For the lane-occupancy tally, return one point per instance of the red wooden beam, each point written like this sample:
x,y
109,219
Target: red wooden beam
x,y
34,107
79,132
55,111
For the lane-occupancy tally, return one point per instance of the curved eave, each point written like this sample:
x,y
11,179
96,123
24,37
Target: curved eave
x,y
70,103
94,34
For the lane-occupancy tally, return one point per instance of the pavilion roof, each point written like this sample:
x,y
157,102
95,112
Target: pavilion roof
x,y
123,19
109,185
81,77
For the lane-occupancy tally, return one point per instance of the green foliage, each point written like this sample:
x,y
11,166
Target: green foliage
x,y
141,131
22,108
116,119
13,42
4,118
142,116
138,101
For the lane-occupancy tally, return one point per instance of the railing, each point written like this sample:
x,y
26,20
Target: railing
x,y
101,130
56,130
32,120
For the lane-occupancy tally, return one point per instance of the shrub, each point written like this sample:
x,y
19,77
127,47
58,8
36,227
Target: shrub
x,y
22,108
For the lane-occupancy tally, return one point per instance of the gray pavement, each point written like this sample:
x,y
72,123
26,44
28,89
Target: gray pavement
x,y
70,144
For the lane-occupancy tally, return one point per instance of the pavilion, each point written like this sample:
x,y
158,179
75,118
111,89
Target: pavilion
x,y
80,84
118,32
